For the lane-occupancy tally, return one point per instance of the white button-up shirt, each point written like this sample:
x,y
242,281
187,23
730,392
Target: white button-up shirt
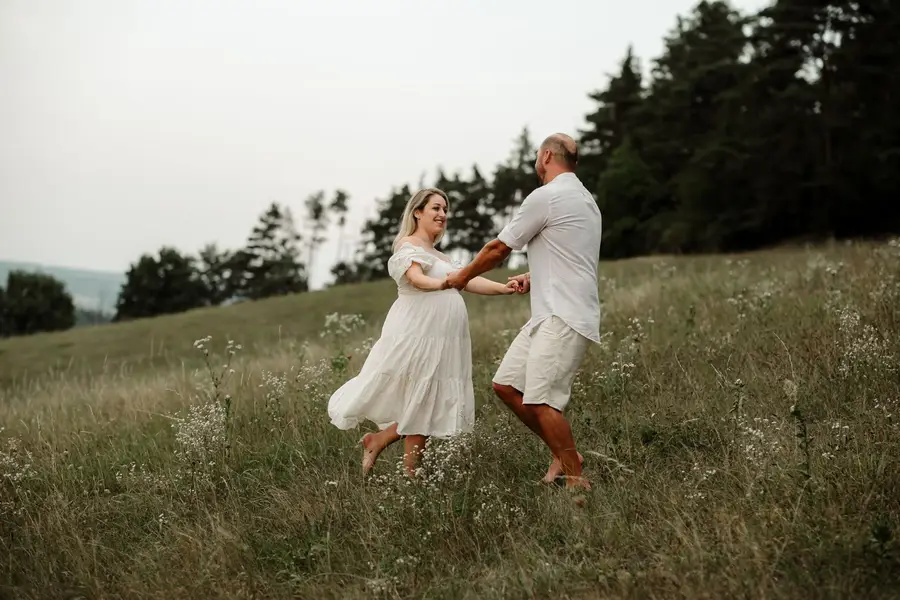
x,y
561,225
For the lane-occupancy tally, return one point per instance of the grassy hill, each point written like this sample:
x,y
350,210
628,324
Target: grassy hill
x,y
739,423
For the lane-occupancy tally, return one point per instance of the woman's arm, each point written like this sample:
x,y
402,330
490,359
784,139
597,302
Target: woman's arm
x,y
486,287
418,278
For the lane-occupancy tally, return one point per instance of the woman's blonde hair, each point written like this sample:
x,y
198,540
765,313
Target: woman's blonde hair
x,y
417,202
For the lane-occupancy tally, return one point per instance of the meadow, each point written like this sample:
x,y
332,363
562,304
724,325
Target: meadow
x,y
739,424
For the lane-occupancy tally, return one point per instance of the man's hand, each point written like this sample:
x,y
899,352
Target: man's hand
x,y
456,280
524,281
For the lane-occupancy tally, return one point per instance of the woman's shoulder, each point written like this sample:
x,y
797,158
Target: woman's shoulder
x,y
411,241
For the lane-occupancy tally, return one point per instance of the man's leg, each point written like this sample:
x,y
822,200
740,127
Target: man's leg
x,y
558,436
554,357
529,416
513,399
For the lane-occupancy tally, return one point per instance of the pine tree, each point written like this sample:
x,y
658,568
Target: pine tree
x,y
379,232
270,264
611,121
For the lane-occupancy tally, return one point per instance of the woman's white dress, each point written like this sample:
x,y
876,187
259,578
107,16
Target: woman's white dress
x,y
419,372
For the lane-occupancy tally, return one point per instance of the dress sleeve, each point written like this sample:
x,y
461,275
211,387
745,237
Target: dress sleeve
x,y
406,255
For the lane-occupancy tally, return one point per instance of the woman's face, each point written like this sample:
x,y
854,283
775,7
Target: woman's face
x,y
433,216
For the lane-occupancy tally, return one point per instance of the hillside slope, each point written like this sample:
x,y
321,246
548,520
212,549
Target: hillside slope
x,y
738,421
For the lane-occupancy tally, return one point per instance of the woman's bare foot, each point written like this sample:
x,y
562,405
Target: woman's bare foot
x,y
556,470
374,443
371,450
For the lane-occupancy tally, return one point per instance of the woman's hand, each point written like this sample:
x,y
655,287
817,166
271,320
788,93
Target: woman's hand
x,y
512,287
524,281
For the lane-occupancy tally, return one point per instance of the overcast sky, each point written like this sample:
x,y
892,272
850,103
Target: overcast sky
x,y
126,125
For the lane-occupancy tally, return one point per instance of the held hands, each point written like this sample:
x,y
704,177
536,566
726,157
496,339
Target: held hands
x,y
513,287
522,281
456,281
520,284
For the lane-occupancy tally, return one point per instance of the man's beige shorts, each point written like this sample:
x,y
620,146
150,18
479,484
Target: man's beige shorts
x,y
542,363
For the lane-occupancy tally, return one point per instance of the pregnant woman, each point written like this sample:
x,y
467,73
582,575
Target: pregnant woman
x,y
417,379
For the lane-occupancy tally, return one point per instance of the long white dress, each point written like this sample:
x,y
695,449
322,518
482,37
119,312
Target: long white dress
x,y
419,372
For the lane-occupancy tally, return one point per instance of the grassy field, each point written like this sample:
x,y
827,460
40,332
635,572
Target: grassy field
x,y
739,424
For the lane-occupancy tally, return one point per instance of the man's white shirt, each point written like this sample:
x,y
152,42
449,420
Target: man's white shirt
x,y
561,225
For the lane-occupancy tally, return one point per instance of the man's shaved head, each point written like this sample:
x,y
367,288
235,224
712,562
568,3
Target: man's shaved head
x,y
557,154
563,148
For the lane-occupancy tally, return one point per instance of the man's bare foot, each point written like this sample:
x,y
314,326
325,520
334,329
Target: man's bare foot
x,y
371,450
577,484
556,469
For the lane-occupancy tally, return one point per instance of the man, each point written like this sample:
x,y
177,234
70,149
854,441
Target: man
x,y
561,224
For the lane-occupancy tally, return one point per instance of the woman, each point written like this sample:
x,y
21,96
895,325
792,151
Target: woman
x,y
417,379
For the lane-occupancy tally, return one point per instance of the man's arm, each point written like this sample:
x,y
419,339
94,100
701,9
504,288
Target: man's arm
x,y
490,257
532,216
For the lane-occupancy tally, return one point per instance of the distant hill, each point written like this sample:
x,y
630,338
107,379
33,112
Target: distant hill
x,y
91,290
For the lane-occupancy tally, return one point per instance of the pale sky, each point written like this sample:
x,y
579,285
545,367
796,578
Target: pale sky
x,y
126,124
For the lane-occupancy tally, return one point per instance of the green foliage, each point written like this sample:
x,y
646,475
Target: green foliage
x,y
4,326
379,233
750,130
270,264
624,189
216,273
34,303
159,285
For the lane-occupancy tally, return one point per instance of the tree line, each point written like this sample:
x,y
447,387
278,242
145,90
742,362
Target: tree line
x,y
749,130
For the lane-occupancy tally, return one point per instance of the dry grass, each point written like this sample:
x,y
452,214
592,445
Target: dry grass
x,y
740,424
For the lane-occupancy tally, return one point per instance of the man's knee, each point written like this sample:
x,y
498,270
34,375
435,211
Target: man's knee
x,y
507,393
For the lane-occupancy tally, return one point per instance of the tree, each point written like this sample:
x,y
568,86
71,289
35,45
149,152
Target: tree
x,y
379,232
344,272
270,264
625,186
216,273
4,326
470,225
683,129
165,284
610,122
339,207
317,219
34,303
750,130
513,181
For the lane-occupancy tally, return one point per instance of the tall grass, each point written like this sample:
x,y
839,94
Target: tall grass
x,y
739,424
